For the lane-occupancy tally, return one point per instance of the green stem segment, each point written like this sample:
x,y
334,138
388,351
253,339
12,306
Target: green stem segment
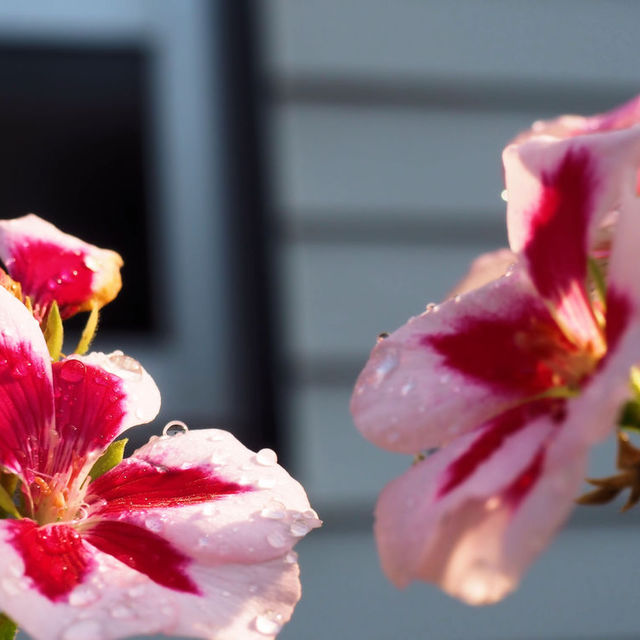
x,y
8,628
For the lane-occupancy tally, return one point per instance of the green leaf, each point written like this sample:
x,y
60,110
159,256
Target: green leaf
x,y
89,332
109,459
53,332
8,628
7,505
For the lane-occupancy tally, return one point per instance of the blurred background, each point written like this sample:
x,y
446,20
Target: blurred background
x,y
285,179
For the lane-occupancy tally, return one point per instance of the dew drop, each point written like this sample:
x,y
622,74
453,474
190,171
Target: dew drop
x,y
128,367
154,522
407,388
385,366
266,457
492,503
291,557
430,307
266,482
73,371
299,529
274,511
136,591
121,612
269,623
91,263
83,630
276,539
82,596
175,428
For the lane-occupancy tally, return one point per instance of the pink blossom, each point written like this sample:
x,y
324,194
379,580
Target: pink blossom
x,y
515,380
191,535
52,265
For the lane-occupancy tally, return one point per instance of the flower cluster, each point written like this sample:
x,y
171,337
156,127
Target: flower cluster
x,y
515,377
191,535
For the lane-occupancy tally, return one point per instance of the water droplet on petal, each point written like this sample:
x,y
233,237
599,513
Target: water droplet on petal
x,y
128,367
407,388
269,623
266,457
82,596
83,630
266,482
276,539
121,612
274,511
91,263
175,428
492,503
73,371
136,591
154,522
299,529
385,366
291,557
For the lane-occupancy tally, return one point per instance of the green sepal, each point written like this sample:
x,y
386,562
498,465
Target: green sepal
x,y
8,628
7,487
88,332
109,459
53,332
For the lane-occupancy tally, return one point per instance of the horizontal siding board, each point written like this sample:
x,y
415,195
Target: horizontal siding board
x,y
338,298
344,159
561,41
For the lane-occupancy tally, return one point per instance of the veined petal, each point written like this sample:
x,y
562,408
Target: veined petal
x,y
473,516
456,366
449,519
97,397
560,193
52,265
26,394
113,600
213,499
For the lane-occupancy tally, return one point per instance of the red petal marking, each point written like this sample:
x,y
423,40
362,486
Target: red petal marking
x,y
54,556
493,437
520,487
618,315
143,551
89,406
522,351
556,249
49,272
26,408
137,484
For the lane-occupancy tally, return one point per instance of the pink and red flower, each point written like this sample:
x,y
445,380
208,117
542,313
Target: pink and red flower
x,y
192,535
516,379
52,265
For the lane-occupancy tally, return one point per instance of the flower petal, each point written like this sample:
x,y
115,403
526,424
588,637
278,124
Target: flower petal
x,y
473,516
97,397
560,193
26,394
621,117
52,265
242,507
437,524
484,269
454,367
113,600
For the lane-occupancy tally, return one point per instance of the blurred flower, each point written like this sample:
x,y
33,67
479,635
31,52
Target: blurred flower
x,y
192,535
53,266
515,380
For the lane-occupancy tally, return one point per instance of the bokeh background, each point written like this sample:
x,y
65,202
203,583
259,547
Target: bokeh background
x,y
286,179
